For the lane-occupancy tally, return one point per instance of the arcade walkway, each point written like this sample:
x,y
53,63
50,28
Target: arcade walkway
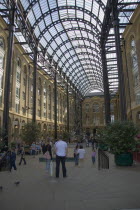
x,y
84,189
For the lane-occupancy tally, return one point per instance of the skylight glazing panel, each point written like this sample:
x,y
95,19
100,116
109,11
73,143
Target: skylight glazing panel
x,y
43,42
80,3
82,25
71,13
61,3
49,50
44,5
94,22
79,14
55,16
71,2
71,34
67,65
42,25
53,45
67,24
59,53
48,20
72,52
63,59
52,4
101,15
64,37
63,48
31,18
53,31
25,4
55,57
37,11
47,36
59,27
58,40
95,8
37,32
87,17
88,5
63,14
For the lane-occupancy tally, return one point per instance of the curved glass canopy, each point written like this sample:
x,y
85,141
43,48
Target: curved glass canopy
x,y
69,30
70,33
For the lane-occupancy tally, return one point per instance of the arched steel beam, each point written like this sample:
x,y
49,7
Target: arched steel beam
x,y
33,2
83,59
84,69
71,29
78,54
73,48
64,8
97,31
81,65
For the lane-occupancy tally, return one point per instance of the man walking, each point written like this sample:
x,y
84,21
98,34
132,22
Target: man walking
x,y
61,149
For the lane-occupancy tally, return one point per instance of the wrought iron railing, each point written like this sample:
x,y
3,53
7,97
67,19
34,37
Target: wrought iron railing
x,y
103,160
5,162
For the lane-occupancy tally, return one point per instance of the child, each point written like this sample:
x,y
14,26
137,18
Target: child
x,y
81,153
22,153
93,156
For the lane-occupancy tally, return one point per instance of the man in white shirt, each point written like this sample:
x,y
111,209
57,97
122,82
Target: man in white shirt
x,y
61,153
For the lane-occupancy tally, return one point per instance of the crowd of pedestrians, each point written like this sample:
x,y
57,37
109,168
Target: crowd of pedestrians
x,y
60,149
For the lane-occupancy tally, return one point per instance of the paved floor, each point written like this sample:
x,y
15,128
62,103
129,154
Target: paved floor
x,y
85,188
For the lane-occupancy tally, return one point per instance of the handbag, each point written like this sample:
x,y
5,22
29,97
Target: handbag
x,y
47,155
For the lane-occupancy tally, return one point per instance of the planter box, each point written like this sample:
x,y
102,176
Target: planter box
x,y
125,159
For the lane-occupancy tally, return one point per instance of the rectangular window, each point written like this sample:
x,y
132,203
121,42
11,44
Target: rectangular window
x,y
17,92
45,115
137,98
18,77
17,108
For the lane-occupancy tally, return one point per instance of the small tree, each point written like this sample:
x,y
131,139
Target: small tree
x,y
120,136
30,133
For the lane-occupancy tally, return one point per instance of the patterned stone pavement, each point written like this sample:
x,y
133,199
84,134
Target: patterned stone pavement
x,y
85,188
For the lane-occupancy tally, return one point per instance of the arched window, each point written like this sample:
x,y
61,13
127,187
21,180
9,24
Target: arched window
x,y
95,107
18,62
134,61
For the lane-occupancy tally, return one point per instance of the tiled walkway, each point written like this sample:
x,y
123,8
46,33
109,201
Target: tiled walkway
x,y
84,189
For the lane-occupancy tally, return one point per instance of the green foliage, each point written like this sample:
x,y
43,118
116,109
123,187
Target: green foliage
x,y
66,136
30,133
120,136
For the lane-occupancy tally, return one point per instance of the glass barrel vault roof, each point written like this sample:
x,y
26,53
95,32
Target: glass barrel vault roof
x,y
70,31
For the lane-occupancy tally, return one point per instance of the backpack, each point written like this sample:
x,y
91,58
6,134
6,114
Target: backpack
x,y
47,155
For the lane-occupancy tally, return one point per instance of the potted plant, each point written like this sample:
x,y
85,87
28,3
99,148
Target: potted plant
x,y
120,137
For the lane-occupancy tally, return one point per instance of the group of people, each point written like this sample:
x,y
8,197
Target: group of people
x,y
61,151
79,155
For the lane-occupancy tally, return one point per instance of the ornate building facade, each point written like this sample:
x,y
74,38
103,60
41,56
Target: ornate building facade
x,y
131,66
21,93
